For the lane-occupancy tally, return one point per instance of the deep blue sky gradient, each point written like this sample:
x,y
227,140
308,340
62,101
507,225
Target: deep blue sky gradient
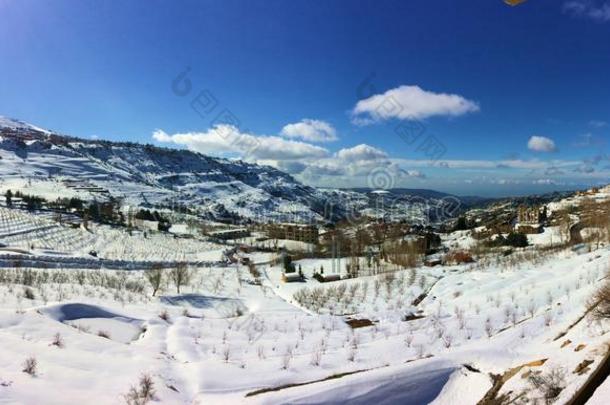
x,y
104,68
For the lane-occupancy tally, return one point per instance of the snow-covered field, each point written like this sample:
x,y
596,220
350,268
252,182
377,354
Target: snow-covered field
x,y
40,234
235,335
225,336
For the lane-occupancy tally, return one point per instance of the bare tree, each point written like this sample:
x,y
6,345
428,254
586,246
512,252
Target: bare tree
x,y
489,329
531,308
316,358
180,275
260,351
548,318
565,224
447,340
409,340
58,341
421,351
601,302
226,353
595,215
351,354
549,385
30,366
155,277
143,393
287,358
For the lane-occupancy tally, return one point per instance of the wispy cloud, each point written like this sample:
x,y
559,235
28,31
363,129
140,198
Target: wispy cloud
x,y
491,165
415,173
594,10
544,181
585,168
598,124
553,171
589,140
411,103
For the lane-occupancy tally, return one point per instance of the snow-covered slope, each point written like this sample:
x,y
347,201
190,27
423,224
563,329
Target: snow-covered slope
x,y
11,123
59,166
43,163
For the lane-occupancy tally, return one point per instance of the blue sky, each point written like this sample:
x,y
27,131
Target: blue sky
x,y
517,99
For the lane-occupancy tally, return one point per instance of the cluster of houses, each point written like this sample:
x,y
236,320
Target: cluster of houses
x,y
297,232
285,231
529,219
588,193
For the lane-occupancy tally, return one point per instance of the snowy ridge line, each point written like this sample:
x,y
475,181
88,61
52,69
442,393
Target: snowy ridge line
x,y
8,260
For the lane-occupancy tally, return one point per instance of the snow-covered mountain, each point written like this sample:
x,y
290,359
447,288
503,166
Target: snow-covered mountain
x,y
11,123
41,162
44,163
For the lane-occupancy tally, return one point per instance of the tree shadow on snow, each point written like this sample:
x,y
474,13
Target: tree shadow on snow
x,y
226,307
75,311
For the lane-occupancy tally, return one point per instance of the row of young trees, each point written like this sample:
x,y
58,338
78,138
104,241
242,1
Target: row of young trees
x,y
147,215
108,212
596,215
32,202
180,276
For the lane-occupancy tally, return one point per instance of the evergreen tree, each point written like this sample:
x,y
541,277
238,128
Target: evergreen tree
x,y
94,211
516,239
461,225
9,198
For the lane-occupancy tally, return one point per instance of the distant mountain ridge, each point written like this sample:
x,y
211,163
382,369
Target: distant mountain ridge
x,y
467,201
46,163
150,175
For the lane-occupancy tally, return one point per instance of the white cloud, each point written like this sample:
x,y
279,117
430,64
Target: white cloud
x,y
356,165
585,168
544,181
311,131
362,152
325,169
411,103
291,166
594,10
160,136
287,166
553,171
541,144
228,139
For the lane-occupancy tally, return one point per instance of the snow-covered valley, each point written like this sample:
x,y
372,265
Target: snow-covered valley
x,y
124,314
231,336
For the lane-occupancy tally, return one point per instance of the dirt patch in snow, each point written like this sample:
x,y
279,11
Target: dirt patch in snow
x,y
359,323
500,379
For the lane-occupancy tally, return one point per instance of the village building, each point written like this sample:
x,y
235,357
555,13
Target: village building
x,y
298,232
531,219
291,277
230,234
145,225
